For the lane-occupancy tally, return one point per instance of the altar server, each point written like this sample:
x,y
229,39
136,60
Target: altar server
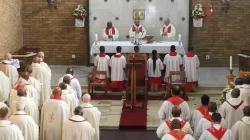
x,y
238,83
74,83
77,127
5,87
200,112
172,62
8,130
154,67
205,122
137,30
33,81
241,128
217,131
177,133
110,33
91,113
168,31
165,127
43,76
26,123
9,70
118,65
191,64
166,107
101,63
30,106
231,110
54,112
69,98
245,89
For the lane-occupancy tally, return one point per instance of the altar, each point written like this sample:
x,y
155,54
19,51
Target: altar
x,y
162,47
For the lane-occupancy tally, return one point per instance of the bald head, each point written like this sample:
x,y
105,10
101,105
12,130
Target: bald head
x,y
7,56
57,91
21,92
25,76
40,55
4,113
137,22
70,71
63,85
212,107
66,79
78,111
246,111
176,124
235,93
176,111
167,21
36,59
86,98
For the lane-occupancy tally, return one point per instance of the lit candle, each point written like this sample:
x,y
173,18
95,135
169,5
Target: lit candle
x,y
96,37
179,38
231,64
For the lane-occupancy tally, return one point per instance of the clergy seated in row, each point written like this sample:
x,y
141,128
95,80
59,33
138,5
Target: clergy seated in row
x,y
191,63
31,80
110,33
74,83
66,80
165,111
9,70
8,130
69,98
118,65
231,110
237,84
177,133
200,112
42,75
205,122
91,113
101,63
241,128
217,131
165,127
77,127
4,87
54,112
25,122
154,68
30,107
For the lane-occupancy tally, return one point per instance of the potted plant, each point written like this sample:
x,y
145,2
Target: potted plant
x,y
80,15
198,14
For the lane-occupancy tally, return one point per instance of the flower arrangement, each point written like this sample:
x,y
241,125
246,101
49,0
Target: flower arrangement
x,y
198,12
80,12
225,91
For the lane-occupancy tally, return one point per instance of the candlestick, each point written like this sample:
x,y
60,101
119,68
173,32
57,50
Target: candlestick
x,y
96,39
231,65
230,77
179,38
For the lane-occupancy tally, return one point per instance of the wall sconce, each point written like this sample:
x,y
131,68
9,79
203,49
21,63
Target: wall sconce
x,y
52,4
211,9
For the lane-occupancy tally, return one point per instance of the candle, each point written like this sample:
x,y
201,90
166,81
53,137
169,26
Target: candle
x,y
231,65
96,37
179,38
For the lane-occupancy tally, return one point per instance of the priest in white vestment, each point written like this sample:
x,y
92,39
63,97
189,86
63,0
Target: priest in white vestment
x,y
77,127
206,121
241,128
110,33
154,68
9,70
66,80
177,133
69,98
42,75
30,107
200,112
43,64
5,87
237,84
137,30
217,131
25,122
245,89
168,31
172,62
118,65
165,127
33,81
191,63
8,130
101,63
91,113
165,112
54,112
231,110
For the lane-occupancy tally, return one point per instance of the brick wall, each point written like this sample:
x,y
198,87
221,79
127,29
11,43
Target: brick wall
x,y
222,35
11,34
54,31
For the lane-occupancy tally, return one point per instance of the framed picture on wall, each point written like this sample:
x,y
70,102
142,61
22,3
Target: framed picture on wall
x,y
138,14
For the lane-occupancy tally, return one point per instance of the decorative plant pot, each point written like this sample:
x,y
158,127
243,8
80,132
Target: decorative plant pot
x,y
79,22
198,22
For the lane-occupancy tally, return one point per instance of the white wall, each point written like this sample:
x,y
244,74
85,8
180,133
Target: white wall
x,y
107,11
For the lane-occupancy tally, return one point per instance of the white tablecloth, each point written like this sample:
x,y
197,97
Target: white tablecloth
x,y
128,47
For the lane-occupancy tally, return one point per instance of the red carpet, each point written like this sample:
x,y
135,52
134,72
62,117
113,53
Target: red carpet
x,y
134,119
